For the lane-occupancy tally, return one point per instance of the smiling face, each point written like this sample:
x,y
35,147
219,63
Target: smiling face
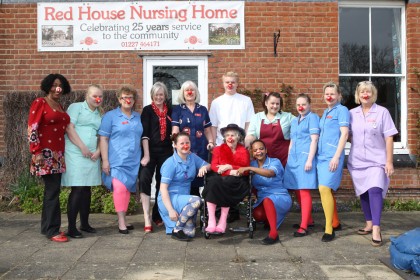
x,y
231,138
159,97
190,94
94,97
56,90
258,151
302,106
183,145
126,100
331,96
273,105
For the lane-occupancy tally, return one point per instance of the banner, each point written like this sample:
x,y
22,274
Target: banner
x,y
156,25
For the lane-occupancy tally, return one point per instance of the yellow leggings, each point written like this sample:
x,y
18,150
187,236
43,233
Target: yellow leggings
x,y
330,208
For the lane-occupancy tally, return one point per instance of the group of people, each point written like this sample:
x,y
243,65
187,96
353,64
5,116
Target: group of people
x,y
282,152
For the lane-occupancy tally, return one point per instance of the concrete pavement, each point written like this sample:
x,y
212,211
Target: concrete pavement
x,y
26,254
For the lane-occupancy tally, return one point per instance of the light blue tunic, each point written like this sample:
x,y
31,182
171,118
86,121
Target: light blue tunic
x,y
330,124
81,171
124,151
178,174
272,187
295,176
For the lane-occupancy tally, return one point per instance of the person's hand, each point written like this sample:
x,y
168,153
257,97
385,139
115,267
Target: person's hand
x,y
234,173
334,164
86,153
241,170
39,159
144,161
223,168
96,155
210,146
173,215
105,167
202,171
389,169
308,165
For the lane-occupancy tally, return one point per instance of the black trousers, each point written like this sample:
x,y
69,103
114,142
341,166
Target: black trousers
x,y
79,202
51,214
146,176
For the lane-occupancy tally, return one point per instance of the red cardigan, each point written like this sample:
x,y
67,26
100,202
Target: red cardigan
x,y
223,155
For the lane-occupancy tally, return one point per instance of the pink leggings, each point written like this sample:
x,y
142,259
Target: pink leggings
x,y
121,196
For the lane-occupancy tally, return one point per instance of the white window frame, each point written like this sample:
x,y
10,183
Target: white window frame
x,y
399,147
200,61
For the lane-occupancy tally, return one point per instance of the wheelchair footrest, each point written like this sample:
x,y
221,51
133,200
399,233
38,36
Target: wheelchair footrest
x,y
239,229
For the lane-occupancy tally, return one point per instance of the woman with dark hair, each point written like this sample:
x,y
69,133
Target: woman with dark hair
x,y
119,141
82,158
225,186
177,207
157,147
47,124
272,126
274,200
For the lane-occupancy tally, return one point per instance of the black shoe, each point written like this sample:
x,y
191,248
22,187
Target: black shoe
x,y
88,229
269,241
328,237
180,236
301,234
74,234
130,227
297,226
233,217
123,231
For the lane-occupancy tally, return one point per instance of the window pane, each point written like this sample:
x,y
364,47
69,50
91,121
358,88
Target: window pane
x,y
386,40
348,87
354,40
174,76
389,96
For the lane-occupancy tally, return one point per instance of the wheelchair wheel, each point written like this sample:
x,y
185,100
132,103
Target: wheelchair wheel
x,y
251,234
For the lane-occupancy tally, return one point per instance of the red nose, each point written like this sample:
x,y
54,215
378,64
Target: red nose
x,y
230,140
98,100
329,98
365,97
185,147
58,89
300,108
128,101
189,92
230,86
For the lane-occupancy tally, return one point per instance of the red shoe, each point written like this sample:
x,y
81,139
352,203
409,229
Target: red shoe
x,y
148,229
59,238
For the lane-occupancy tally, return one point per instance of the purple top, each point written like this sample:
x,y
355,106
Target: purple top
x,y
368,147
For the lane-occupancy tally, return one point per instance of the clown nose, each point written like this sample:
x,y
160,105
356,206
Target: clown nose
x,y
329,98
300,108
230,86
230,140
58,89
98,100
365,97
127,101
189,92
185,147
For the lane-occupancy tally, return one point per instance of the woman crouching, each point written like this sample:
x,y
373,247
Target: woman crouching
x,y
176,206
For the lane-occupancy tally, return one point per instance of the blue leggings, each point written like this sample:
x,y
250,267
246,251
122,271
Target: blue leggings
x,y
372,202
188,216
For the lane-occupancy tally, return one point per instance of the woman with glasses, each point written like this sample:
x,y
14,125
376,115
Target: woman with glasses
x,y
157,147
370,160
119,141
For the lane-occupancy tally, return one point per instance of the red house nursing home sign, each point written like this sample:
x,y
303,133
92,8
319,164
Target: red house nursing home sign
x,y
157,25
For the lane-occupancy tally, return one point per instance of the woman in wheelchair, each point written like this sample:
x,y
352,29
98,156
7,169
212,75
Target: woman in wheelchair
x,y
225,187
273,200
176,206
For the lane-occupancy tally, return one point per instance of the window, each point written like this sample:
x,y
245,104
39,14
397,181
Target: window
x,y
372,47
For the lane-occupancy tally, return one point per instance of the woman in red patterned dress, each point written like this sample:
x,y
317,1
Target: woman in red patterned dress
x,y
47,124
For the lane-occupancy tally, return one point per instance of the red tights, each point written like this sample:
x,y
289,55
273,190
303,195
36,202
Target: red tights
x,y
305,201
266,212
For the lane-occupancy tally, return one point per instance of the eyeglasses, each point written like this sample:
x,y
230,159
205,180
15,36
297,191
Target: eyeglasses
x,y
126,97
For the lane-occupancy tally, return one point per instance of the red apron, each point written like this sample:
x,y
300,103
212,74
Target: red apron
x,y
277,146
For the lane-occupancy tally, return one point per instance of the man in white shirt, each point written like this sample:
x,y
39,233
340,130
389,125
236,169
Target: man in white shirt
x,y
231,107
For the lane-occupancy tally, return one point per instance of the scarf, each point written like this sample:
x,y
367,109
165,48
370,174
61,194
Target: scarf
x,y
162,119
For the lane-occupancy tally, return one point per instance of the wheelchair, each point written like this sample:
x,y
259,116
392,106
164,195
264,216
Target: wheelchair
x,y
246,204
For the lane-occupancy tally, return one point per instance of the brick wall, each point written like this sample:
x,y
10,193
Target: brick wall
x,y
307,58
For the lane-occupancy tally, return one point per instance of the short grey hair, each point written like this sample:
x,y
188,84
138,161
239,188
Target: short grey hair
x,y
186,84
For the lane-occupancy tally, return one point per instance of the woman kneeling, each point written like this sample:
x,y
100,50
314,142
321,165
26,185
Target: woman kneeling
x,y
176,206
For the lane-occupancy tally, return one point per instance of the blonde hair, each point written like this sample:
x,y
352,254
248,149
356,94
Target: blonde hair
x,y
100,108
181,97
365,85
331,85
232,75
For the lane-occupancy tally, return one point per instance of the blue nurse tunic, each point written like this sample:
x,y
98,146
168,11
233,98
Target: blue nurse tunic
x,y
272,188
329,137
178,174
124,151
295,176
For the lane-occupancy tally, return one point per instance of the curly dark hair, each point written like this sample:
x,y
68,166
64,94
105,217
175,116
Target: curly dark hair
x,y
48,82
